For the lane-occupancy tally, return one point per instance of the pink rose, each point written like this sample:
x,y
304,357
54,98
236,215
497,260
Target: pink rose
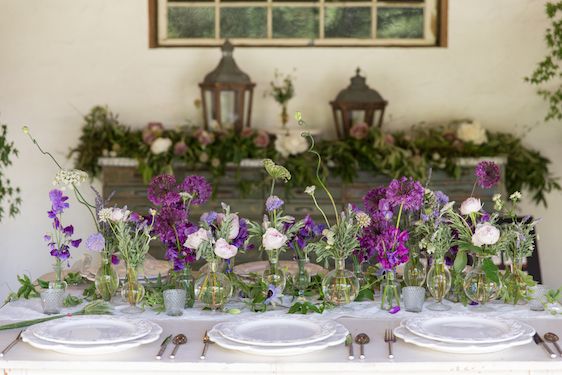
x,y
359,131
224,250
272,239
261,139
180,148
204,137
152,131
247,132
389,138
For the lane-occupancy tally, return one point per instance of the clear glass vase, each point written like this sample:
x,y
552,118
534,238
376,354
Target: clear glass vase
x,y
107,280
132,291
358,269
438,284
414,271
301,280
340,286
516,284
183,279
274,275
390,291
213,288
59,282
478,287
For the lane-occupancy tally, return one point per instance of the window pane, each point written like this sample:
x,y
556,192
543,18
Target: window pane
x,y
400,23
347,22
299,22
244,22
191,22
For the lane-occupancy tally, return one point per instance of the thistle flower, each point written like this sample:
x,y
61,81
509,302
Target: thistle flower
x,y
363,220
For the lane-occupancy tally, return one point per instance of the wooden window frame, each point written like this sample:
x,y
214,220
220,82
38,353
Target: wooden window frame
x,y
440,24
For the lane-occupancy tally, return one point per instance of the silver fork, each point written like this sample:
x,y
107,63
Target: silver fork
x,y
390,339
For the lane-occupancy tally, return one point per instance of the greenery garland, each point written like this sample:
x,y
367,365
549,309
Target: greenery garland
x,y
402,153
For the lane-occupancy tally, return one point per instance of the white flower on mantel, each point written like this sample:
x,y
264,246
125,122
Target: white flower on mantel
x,y
472,132
291,144
160,145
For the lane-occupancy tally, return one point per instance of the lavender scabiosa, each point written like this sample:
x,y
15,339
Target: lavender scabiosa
x,y
487,174
273,202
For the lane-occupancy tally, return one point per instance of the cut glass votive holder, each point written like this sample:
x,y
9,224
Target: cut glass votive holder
x,y
414,298
538,299
52,300
174,301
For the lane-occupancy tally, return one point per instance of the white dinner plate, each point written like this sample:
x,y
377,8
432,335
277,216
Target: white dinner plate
x,y
276,351
464,328
457,348
277,331
91,330
38,343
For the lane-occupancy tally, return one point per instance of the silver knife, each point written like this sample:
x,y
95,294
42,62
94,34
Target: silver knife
x,y
163,347
11,345
349,341
539,341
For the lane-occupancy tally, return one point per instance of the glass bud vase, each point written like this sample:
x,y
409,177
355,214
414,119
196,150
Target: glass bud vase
x,y
340,286
414,271
390,291
58,282
480,288
213,288
183,279
302,279
516,284
438,284
107,280
132,291
274,275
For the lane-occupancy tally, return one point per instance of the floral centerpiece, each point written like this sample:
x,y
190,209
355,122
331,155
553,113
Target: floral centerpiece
x,y
133,235
172,225
219,237
276,229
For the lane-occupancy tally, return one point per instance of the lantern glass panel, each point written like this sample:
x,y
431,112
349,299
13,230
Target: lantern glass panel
x,y
210,105
228,108
357,116
246,107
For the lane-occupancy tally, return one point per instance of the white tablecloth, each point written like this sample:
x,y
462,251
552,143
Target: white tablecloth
x,y
357,317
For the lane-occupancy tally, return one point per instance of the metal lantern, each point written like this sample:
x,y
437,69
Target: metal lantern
x,y
227,93
357,103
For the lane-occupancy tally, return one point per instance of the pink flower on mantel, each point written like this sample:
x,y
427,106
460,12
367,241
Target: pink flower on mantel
x,y
152,131
204,137
261,139
359,130
180,148
247,132
389,139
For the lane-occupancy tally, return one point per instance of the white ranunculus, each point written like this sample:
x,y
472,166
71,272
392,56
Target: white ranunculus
x,y
194,240
234,224
224,250
272,239
485,234
471,205
160,145
291,144
472,132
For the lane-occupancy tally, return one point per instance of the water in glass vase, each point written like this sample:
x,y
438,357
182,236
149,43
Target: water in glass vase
x,y
479,287
301,280
213,288
132,291
390,291
414,271
438,284
340,286
274,275
107,280
183,279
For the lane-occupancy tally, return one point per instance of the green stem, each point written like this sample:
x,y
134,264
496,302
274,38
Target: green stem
x,y
321,211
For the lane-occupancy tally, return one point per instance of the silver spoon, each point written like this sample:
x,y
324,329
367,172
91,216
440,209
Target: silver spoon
x,y
362,339
177,341
553,339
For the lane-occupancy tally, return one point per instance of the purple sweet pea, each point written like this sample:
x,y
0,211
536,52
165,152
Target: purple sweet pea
x,y
114,259
58,201
394,310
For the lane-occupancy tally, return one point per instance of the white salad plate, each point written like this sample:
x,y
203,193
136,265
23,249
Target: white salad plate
x,y
464,348
91,330
277,331
276,351
73,349
465,329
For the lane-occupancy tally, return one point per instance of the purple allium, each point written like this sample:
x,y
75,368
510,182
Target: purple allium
x,y
95,242
58,201
273,203
442,198
391,248
368,240
168,222
372,198
488,174
406,192
162,190
198,188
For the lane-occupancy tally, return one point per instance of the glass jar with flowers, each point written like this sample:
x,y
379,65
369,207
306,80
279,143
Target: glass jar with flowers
x,y
478,234
433,233
133,235
276,229
60,239
219,237
282,92
171,224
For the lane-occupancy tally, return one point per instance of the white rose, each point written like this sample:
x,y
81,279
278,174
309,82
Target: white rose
x,y
234,224
160,145
485,234
224,250
194,240
273,239
472,132
291,144
471,205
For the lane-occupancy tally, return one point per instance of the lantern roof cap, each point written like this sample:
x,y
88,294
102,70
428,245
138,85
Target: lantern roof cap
x,y
227,71
358,91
